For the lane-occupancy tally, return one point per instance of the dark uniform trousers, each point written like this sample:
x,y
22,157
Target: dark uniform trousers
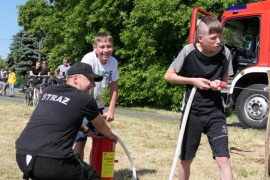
x,y
43,168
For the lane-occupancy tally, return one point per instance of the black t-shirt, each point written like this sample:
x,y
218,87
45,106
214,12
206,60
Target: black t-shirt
x,y
44,71
55,122
192,63
35,71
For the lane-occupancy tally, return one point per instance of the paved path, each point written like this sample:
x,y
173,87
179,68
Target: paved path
x,y
12,99
117,111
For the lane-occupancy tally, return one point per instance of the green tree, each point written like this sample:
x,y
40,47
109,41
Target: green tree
x,y
2,62
70,25
154,34
34,17
148,35
82,20
23,52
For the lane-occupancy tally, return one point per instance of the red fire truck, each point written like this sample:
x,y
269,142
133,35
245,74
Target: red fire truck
x,y
247,34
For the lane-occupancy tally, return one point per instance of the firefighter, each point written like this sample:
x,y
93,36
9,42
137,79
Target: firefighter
x,y
44,148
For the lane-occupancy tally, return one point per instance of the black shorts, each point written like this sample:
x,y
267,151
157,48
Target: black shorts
x,y
56,169
214,126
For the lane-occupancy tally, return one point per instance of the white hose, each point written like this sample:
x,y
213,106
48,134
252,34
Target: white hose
x,y
182,130
129,157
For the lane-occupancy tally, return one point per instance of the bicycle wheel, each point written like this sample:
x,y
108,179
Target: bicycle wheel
x,y
26,97
31,94
35,97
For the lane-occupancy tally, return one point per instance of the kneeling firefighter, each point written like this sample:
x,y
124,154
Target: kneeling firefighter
x,y
44,148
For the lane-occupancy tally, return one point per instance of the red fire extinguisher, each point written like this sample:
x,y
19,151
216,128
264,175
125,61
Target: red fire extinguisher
x,y
102,158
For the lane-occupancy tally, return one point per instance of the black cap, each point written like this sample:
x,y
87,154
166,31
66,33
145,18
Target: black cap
x,y
84,69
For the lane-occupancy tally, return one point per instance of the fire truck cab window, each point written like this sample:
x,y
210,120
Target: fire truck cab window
x,y
241,36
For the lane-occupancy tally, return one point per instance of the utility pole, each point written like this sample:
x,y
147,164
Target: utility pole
x,y
39,49
267,137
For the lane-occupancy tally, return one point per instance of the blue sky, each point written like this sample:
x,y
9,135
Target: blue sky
x,y
8,24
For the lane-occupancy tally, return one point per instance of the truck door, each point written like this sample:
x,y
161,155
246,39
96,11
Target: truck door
x,y
241,36
194,20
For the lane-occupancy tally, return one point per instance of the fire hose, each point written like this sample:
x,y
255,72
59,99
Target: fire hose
x,y
182,130
129,158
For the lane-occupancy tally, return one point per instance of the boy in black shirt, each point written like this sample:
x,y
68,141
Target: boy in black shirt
x,y
35,70
45,73
44,148
204,65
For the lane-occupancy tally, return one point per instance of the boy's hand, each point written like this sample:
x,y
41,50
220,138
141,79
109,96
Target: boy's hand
x,y
108,117
215,85
202,83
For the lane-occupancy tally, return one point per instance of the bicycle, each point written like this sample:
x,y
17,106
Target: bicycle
x,y
27,96
31,94
58,80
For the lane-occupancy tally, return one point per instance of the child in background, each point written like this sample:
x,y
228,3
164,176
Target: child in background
x,y
11,82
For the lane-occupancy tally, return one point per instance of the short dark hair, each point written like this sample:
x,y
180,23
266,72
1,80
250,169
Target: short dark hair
x,y
45,61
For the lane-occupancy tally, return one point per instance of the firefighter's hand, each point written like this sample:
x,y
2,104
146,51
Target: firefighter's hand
x,y
91,134
215,85
108,116
201,83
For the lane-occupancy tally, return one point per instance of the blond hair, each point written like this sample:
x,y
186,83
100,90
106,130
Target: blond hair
x,y
102,37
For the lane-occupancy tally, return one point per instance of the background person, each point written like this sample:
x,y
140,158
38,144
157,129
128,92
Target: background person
x,y
44,148
35,70
11,82
103,64
204,65
3,81
63,68
45,73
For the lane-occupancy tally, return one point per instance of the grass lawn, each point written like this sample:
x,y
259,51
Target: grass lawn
x,y
151,143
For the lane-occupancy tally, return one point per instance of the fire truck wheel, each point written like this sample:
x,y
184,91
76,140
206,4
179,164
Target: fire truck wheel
x,y
252,106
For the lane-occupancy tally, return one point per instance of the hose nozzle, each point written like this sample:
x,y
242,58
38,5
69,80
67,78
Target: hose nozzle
x,y
224,85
